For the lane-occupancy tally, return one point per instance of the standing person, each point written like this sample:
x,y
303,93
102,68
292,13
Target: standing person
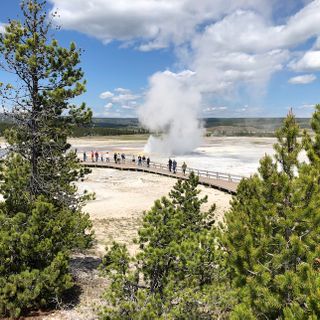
x,y
101,156
97,156
107,157
84,156
184,168
92,156
174,166
170,164
123,158
115,158
118,158
133,159
148,162
143,159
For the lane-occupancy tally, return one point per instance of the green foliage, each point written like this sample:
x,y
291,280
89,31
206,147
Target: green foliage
x,y
176,268
272,232
41,221
48,76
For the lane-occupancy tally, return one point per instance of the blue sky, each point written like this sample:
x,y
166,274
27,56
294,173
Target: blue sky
x,y
243,58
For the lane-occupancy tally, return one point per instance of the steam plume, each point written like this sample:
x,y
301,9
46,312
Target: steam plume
x,y
172,107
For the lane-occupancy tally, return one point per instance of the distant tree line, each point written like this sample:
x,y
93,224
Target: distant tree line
x,y
105,131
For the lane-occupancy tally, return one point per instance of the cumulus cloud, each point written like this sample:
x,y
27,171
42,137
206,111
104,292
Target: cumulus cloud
x,y
122,90
223,57
303,79
124,98
108,106
106,95
157,23
120,102
309,62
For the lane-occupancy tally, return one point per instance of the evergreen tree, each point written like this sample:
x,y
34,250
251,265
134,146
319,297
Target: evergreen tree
x,y
47,77
177,266
272,232
41,221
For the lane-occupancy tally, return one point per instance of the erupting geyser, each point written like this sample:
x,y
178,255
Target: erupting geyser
x,y
172,108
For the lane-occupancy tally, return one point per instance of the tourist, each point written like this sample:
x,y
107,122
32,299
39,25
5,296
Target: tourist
x,y
170,164
92,156
143,160
139,160
115,158
133,159
118,158
174,166
101,157
84,157
148,162
107,157
97,156
123,158
184,168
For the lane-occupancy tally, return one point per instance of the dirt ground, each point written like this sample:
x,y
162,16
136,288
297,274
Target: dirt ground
x,y
121,198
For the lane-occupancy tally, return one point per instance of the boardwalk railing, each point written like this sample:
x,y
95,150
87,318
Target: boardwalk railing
x,y
201,172
218,180
157,165
164,167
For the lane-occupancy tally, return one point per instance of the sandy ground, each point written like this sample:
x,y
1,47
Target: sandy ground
x,y
121,198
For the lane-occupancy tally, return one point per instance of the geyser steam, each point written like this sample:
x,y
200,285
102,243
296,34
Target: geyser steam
x,y
172,108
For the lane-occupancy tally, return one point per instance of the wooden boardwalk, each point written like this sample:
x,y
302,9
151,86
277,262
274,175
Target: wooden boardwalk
x,y
221,181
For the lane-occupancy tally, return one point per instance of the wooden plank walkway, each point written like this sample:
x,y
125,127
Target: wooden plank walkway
x,y
221,181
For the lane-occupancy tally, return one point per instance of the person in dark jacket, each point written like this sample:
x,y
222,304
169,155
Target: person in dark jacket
x,y
174,166
170,164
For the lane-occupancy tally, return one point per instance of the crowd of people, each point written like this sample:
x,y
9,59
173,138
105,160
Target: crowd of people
x,y
117,158
122,158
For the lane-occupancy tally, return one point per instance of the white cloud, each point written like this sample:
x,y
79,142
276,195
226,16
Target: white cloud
x,y
124,98
156,23
122,90
246,48
108,106
128,107
309,62
120,100
307,106
106,95
212,109
303,79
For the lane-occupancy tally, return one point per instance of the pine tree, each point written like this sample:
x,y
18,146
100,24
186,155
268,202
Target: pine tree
x,y
47,77
41,221
177,266
272,233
